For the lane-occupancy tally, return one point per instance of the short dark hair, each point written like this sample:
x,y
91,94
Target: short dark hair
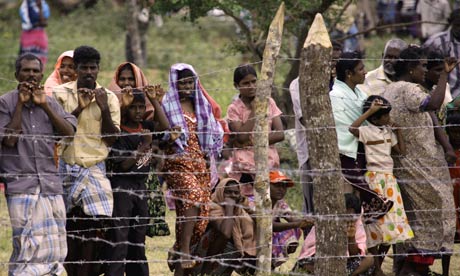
x,y
348,61
353,202
85,54
242,71
138,96
367,104
26,56
408,59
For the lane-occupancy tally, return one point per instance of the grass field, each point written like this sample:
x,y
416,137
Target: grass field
x,y
205,44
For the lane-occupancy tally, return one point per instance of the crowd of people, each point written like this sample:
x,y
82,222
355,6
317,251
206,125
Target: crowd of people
x,y
83,165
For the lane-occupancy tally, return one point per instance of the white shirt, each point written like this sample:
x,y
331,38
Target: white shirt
x,y
300,130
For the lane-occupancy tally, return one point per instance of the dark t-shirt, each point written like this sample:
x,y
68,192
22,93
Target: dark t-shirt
x,y
123,148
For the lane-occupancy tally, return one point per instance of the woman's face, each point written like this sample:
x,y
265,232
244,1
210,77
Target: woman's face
x,y
358,75
186,87
418,72
247,86
67,70
232,191
126,79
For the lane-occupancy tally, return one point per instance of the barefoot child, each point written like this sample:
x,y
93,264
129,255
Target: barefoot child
x,y
380,138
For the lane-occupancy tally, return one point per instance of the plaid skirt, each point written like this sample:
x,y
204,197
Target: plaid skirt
x,y
39,236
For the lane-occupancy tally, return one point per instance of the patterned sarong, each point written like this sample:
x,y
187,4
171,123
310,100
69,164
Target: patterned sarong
x,y
39,235
88,188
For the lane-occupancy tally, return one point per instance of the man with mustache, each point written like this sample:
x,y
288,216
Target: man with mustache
x,y
89,198
377,80
30,122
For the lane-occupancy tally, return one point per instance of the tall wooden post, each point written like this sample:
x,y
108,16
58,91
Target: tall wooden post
x,y
322,145
262,183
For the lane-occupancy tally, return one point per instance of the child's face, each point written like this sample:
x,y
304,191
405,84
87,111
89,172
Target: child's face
x,y
136,112
434,73
382,121
247,86
278,190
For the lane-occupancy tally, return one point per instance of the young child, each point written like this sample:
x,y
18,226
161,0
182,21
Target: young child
x,y
286,228
241,121
358,262
379,140
453,131
129,165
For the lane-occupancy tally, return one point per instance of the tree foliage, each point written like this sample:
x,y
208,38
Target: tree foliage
x,y
253,19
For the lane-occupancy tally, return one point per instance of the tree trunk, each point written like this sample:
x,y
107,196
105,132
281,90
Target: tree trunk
x,y
324,155
133,36
262,183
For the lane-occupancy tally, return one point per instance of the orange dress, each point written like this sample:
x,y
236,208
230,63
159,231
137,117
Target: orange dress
x,y
455,175
189,181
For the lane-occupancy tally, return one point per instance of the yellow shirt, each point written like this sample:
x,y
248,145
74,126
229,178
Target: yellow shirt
x,y
87,147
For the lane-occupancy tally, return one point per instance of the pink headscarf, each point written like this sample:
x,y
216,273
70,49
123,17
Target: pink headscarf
x,y
55,78
141,81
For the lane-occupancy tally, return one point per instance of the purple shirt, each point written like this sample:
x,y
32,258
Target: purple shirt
x,y
30,164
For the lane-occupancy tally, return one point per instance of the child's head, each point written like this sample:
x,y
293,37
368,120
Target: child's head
x,y
382,116
352,204
136,110
125,77
245,80
186,83
279,183
453,128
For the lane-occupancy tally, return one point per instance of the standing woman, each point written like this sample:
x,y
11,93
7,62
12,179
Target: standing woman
x,y
64,71
423,172
185,167
34,15
347,101
241,117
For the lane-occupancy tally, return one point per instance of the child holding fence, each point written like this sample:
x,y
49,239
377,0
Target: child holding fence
x,y
380,137
129,165
241,118
186,165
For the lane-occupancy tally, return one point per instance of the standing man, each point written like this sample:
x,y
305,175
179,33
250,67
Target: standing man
x,y
89,196
434,11
29,124
377,80
448,43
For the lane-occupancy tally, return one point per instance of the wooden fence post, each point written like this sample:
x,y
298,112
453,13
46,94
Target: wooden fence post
x,y
328,198
262,183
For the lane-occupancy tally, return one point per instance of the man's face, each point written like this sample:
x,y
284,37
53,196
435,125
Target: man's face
x,y
87,73
30,71
389,59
